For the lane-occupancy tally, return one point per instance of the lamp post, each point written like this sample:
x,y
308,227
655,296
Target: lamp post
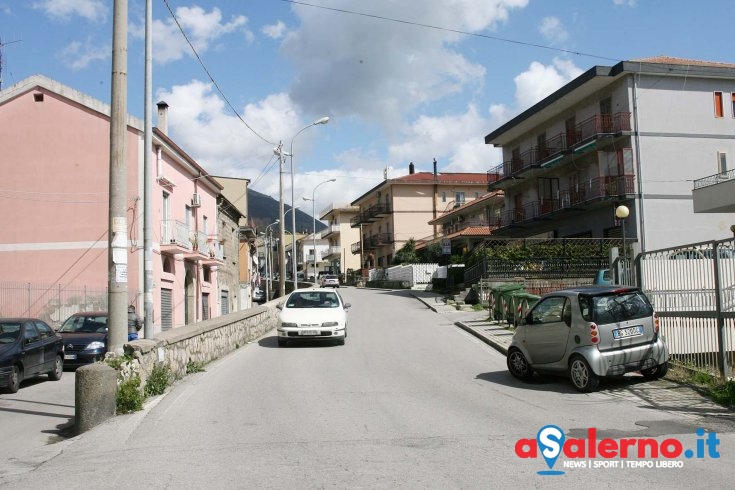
x,y
267,253
313,216
621,213
293,250
323,120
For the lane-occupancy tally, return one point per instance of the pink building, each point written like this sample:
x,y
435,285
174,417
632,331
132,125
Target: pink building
x,y
55,198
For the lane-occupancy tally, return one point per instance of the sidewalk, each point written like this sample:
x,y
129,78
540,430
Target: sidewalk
x,y
664,394
493,333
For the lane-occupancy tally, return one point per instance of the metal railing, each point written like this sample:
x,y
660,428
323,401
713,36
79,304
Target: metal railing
x,y
52,303
714,179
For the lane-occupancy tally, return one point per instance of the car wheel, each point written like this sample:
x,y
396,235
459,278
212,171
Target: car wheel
x,y
518,365
58,370
281,342
656,372
582,377
16,375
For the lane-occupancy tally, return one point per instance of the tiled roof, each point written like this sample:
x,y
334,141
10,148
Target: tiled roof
x,y
472,231
444,178
670,60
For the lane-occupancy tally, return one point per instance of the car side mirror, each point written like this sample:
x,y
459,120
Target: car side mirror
x,y
347,305
527,320
279,306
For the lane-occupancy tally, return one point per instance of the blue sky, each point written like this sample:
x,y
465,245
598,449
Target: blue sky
x,y
401,81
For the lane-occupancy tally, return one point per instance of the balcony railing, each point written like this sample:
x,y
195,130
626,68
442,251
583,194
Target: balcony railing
x,y
178,234
557,146
601,188
373,213
330,230
379,240
714,179
333,250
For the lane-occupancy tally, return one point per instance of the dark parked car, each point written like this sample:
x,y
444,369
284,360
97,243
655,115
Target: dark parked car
x,y
28,348
85,338
258,295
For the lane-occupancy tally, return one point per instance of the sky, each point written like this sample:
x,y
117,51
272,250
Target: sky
x,y
401,81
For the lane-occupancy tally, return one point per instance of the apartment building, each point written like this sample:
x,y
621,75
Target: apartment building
x,y
400,209
341,237
55,162
636,134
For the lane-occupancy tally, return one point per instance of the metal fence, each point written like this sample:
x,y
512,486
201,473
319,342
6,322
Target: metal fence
x,y
692,288
52,303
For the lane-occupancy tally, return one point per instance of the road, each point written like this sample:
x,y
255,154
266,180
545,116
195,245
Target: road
x,y
410,401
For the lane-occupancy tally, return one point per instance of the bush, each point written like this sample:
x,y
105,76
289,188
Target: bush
x,y
129,398
194,367
158,381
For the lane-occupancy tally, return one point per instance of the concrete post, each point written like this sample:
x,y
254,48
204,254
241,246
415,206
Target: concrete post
x,y
95,396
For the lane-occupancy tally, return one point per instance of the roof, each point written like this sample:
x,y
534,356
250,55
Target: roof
x,y
423,178
598,78
468,205
471,231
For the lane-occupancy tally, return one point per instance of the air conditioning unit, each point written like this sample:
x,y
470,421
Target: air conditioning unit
x,y
196,201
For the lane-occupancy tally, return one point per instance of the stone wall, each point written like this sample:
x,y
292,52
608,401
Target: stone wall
x,y
203,342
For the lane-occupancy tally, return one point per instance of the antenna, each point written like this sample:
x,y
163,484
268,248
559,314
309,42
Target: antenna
x,y
2,45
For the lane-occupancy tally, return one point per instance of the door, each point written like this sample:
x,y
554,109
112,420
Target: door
x,y
49,346
546,336
32,350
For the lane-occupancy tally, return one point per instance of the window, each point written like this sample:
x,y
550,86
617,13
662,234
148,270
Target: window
x,y
444,197
719,111
732,100
459,197
477,195
722,162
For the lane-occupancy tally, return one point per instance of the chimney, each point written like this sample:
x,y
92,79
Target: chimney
x,y
162,117
411,169
435,167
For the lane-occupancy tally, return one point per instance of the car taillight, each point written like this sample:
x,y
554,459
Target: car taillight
x,y
594,334
655,323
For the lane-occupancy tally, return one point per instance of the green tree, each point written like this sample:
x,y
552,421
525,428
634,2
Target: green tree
x,y
407,254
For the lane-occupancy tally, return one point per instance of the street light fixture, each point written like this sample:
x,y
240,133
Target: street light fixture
x,y
621,213
323,120
313,216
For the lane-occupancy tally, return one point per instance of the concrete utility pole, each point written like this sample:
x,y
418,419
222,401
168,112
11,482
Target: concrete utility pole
x,y
282,234
148,180
117,251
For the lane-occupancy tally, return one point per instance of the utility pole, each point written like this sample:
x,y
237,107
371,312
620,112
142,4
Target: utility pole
x,y
148,180
281,227
117,251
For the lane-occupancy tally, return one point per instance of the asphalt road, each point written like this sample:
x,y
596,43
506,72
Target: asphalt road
x,y
410,401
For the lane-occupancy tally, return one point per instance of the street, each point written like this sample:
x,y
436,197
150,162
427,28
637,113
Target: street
x,y
410,401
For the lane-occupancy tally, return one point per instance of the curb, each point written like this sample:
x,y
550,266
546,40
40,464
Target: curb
x,y
495,345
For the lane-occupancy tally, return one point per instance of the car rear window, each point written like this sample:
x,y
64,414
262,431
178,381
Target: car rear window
x,y
615,307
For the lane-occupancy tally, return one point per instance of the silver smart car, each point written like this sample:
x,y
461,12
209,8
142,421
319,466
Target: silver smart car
x,y
587,333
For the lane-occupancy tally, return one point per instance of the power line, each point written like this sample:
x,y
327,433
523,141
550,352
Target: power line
x,y
211,78
456,31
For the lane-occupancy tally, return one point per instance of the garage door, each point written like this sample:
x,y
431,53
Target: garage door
x,y
166,310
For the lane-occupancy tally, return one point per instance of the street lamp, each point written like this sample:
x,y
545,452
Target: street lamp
x,y
313,216
621,213
293,250
323,120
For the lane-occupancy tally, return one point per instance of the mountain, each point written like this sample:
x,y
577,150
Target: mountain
x,y
263,211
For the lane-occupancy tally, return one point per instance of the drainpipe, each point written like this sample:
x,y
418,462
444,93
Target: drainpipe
x,y
639,177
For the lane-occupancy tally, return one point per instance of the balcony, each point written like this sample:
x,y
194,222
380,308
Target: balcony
x,y
581,197
713,194
178,238
330,230
333,251
371,214
379,240
554,151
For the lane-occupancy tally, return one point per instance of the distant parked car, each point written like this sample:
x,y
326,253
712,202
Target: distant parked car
x,y
329,281
258,295
587,333
312,314
85,338
28,348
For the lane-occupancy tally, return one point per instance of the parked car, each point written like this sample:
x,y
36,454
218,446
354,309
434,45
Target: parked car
x,y
85,338
312,314
588,333
258,295
329,281
28,348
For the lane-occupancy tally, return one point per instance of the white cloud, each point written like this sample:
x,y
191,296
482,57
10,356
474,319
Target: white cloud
x,y
201,27
78,55
92,10
553,30
275,31
629,3
541,80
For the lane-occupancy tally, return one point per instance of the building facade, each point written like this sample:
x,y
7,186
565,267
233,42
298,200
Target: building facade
x,y
340,236
56,153
400,209
635,134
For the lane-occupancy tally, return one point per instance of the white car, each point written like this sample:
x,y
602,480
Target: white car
x,y
329,280
312,314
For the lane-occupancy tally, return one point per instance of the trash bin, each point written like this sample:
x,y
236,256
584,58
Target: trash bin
x,y
520,302
499,297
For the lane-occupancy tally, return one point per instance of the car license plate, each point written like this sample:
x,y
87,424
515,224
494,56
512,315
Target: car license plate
x,y
309,332
70,357
623,333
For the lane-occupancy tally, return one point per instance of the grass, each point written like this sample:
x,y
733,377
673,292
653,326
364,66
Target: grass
x,y
718,390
